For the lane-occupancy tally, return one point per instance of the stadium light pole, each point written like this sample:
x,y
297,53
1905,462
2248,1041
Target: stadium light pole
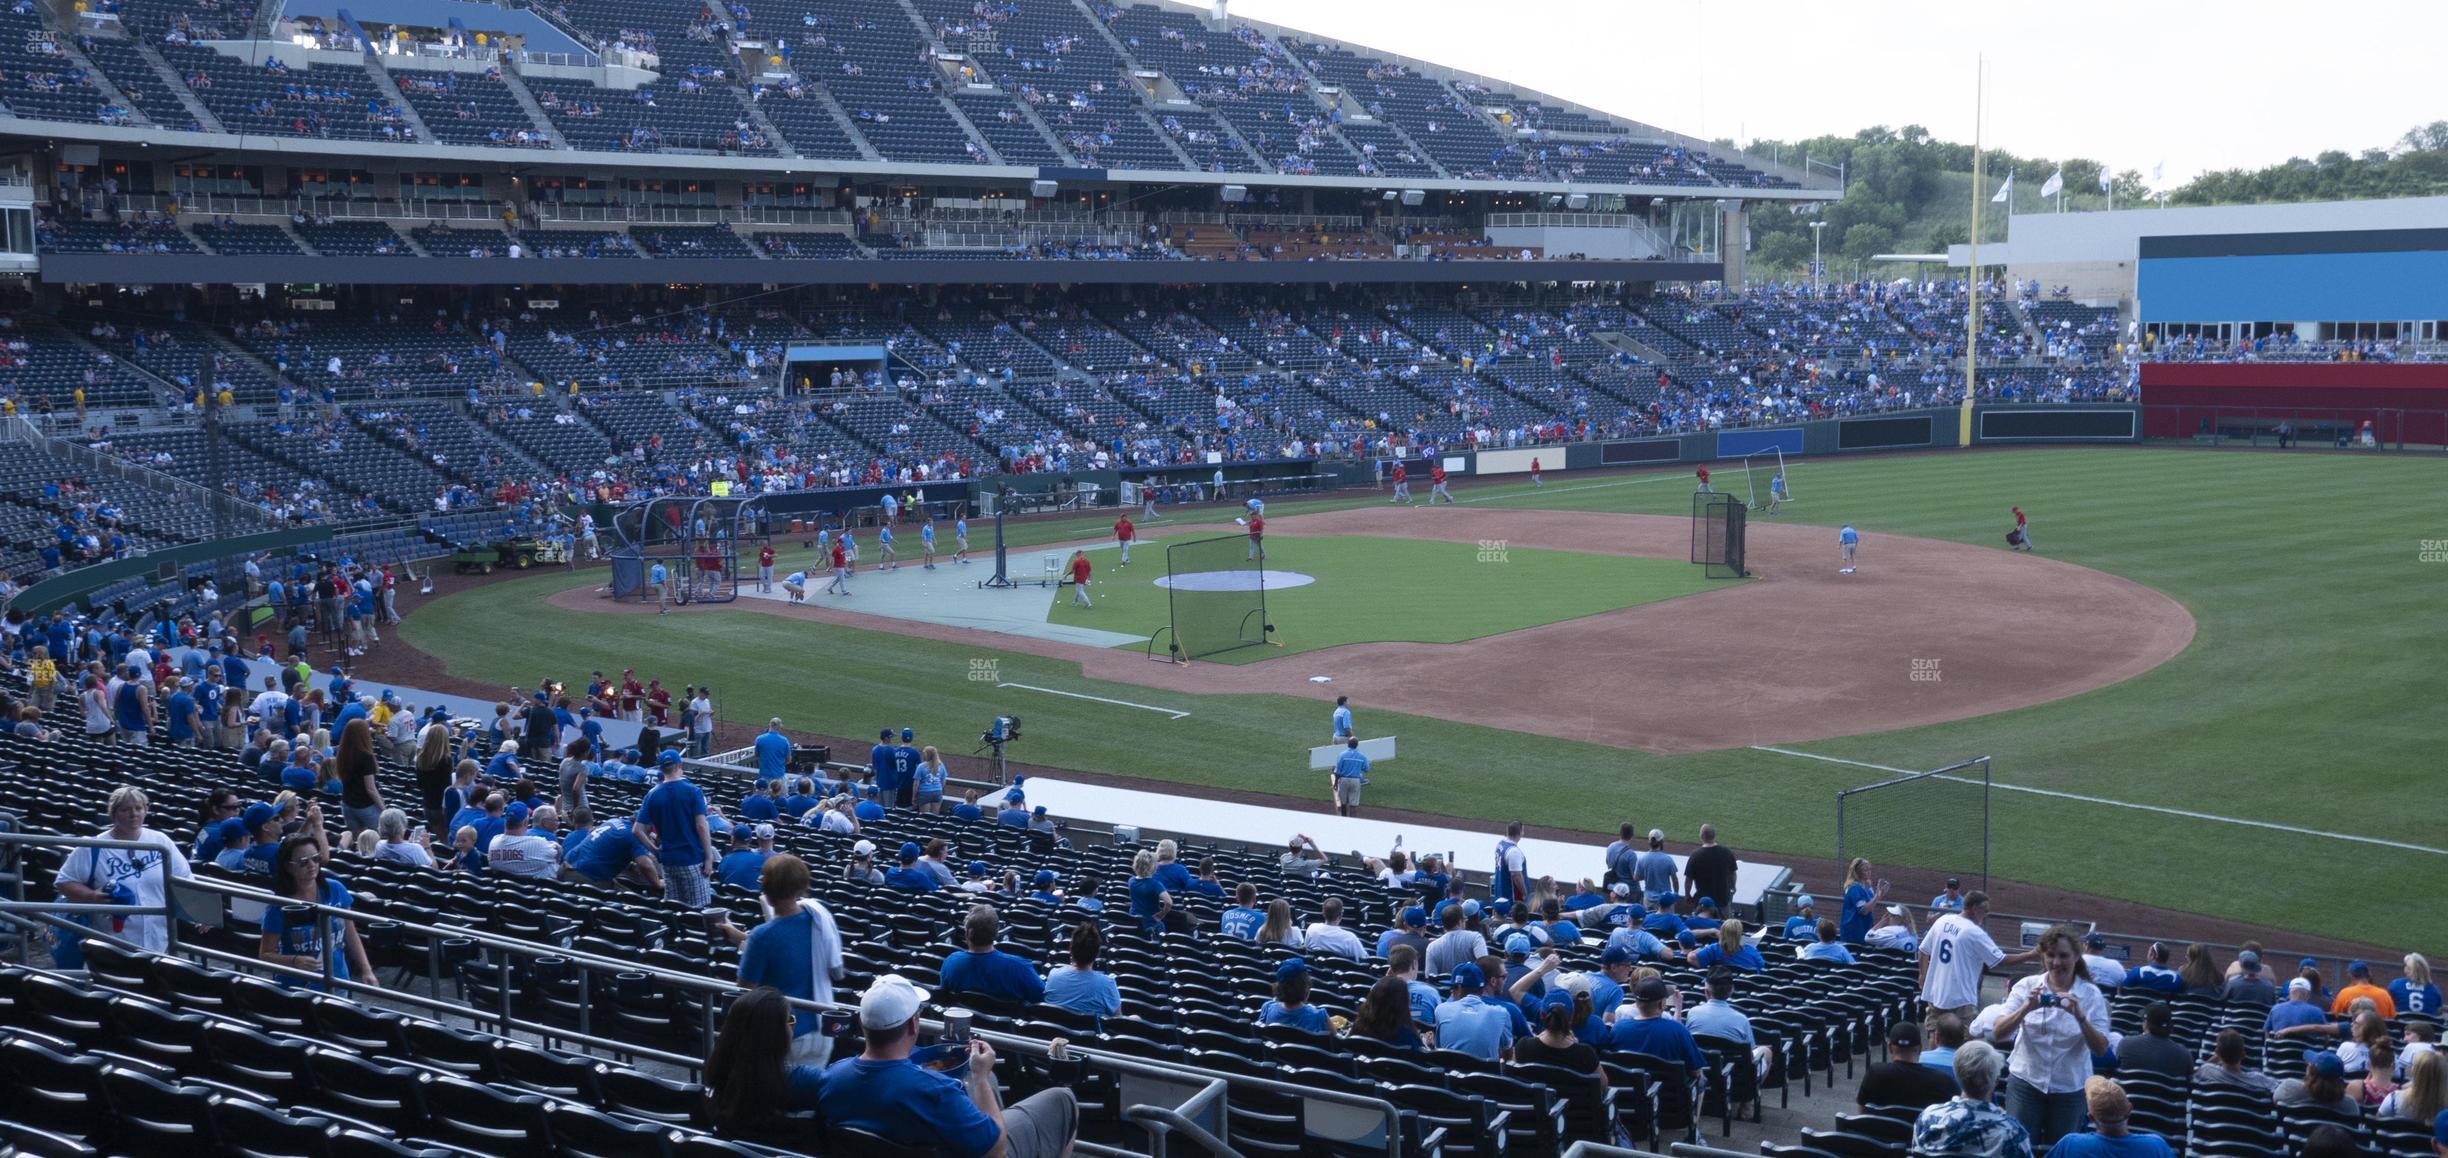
x,y
1818,267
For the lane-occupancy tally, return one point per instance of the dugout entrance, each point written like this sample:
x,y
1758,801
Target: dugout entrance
x,y
1928,825
1215,597
1717,534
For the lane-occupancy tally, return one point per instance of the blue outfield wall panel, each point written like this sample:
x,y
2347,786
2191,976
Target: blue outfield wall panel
x,y
1736,443
2309,287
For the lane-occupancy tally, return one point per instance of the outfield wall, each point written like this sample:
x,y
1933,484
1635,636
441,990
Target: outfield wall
x,y
2404,403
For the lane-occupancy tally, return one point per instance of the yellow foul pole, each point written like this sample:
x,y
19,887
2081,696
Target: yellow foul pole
x,y
1980,188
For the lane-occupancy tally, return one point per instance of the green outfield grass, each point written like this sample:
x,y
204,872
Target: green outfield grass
x,y
1370,589
2308,699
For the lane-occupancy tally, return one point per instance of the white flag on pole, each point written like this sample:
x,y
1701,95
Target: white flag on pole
x,y
2054,185
2158,172
2005,191
2104,179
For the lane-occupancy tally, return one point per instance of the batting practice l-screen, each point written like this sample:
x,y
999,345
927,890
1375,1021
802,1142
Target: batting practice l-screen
x,y
1217,593
1717,535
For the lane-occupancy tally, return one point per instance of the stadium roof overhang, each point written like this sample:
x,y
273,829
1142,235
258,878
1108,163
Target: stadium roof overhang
x,y
208,269
236,147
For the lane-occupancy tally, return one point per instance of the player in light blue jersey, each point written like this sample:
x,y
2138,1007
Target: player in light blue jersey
x,y
1846,540
926,542
960,539
887,559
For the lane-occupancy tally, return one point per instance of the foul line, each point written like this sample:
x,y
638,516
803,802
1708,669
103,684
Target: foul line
x,y
1099,699
2288,828
1537,492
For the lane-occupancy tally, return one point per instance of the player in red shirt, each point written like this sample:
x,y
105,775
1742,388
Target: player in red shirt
x,y
765,568
841,568
2021,539
1402,485
1704,487
1534,474
658,702
630,694
1079,578
1257,536
1436,484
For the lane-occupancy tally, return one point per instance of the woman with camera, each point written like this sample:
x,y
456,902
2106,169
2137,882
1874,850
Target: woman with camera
x,y
2058,1022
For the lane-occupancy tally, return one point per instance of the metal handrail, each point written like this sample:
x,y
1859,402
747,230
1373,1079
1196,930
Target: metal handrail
x,y
1160,1121
39,914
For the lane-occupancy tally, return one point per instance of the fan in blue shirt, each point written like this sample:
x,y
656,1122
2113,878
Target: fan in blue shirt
x,y
773,751
745,863
984,969
909,875
1654,1034
605,850
1245,918
1290,1005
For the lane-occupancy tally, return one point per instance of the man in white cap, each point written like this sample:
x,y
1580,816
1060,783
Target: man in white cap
x,y
882,1091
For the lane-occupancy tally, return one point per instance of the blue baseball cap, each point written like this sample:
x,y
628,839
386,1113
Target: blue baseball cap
x,y
516,813
232,831
1045,877
1517,945
1618,954
258,815
1558,997
907,734
1468,976
1470,908
2327,1064
1414,916
909,851
1292,967
977,868
2308,963
1709,903
1037,811
1805,901
667,757
2439,1128
1502,905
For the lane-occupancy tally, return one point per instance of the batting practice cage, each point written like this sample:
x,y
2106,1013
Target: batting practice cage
x,y
1717,535
1919,829
1216,592
698,540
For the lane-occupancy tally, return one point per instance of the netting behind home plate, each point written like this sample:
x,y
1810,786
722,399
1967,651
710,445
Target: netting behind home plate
x,y
1218,596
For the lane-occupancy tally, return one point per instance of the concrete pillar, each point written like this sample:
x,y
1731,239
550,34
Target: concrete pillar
x,y
1733,230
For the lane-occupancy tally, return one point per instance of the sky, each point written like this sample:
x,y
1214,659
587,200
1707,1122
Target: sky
x,y
2198,87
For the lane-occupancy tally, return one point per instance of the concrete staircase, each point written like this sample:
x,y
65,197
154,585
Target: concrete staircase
x,y
535,111
1616,339
773,134
177,86
388,89
67,47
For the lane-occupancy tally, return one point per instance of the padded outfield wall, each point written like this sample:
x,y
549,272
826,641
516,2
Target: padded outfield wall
x,y
2406,403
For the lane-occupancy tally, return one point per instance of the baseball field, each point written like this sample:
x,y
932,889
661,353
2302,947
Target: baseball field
x,y
2207,691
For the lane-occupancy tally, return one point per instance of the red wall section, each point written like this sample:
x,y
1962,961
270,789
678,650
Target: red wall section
x,y
2404,403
